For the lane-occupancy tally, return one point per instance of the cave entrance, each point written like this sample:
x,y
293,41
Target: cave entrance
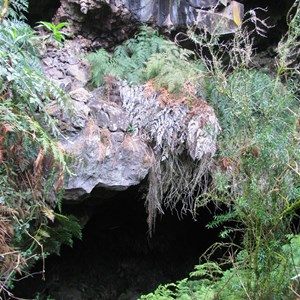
x,y
41,10
116,259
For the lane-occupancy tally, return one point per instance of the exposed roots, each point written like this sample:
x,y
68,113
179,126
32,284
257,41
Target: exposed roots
x,y
182,132
175,183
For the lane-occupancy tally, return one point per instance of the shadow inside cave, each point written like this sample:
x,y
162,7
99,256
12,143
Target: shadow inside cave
x,y
116,259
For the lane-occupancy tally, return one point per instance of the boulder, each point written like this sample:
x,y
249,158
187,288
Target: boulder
x,y
114,161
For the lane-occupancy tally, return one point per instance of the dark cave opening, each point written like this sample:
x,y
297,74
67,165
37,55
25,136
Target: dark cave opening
x,y
274,15
116,259
41,10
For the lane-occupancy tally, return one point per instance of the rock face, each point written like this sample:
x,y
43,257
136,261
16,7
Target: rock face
x,y
167,13
115,20
108,133
95,131
109,22
105,24
112,160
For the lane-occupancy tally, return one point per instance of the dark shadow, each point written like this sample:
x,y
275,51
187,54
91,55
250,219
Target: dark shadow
x,y
41,10
117,259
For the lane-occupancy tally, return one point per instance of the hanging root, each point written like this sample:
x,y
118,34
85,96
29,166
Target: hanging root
x,y
183,138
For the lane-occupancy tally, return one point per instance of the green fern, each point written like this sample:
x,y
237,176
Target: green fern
x,y
210,270
63,232
145,57
186,289
171,70
101,65
31,163
209,281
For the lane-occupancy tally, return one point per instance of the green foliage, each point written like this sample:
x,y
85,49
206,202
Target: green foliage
x,y
214,283
14,9
144,57
56,33
202,288
128,60
40,296
209,270
288,47
256,175
261,114
31,162
239,281
259,144
102,64
23,85
182,290
64,230
172,70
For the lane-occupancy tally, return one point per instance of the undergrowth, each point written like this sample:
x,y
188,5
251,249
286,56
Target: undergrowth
x,y
208,281
144,57
256,175
32,164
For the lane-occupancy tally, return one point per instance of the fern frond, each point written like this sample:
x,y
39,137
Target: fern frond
x,y
100,61
129,61
209,269
171,72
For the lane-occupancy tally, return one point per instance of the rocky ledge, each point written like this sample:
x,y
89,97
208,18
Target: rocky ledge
x,y
94,129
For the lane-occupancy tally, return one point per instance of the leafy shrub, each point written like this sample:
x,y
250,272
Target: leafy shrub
x,y
256,172
288,47
13,9
55,31
256,177
31,163
258,154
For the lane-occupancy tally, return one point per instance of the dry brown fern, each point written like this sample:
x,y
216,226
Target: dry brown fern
x,y
8,255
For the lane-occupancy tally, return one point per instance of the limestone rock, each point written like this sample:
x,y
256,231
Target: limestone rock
x,y
78,73
66,67
114,161
79,114
81,95
104,155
